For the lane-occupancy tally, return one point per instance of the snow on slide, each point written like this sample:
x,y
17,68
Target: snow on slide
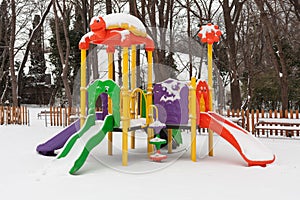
x,y
249,147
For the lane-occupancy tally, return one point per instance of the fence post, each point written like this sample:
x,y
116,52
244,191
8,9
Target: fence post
x,y
66,119
297,117
252,122
7,115
19,115
1,114
45,118
54,116
51,122
270,116
291,117
281,116
248,120
24,115
63,117
28,117
243,118
276,116
69,114
60,116
286,114
57,116
12,115
263,116
257,118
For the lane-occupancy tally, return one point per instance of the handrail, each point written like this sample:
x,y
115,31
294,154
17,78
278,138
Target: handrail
x,y
139,90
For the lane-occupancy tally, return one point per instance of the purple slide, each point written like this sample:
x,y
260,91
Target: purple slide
x,y
58,141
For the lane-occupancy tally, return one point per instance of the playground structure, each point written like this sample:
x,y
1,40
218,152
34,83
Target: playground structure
x,y
189,105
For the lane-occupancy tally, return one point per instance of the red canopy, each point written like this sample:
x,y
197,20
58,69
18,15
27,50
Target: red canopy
x,y
115,37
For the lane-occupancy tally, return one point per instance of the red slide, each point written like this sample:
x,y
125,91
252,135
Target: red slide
x,y
250,148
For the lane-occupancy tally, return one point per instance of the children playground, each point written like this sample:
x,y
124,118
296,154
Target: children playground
x,y
170,105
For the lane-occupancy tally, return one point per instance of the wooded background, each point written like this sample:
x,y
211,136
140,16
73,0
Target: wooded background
x,y
257,56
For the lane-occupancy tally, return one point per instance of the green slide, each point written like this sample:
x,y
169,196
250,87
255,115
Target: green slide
x,y
107,126
90,121
91,125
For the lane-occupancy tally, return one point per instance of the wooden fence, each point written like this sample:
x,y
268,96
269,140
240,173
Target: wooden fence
x,y
249,118
58,116
14,115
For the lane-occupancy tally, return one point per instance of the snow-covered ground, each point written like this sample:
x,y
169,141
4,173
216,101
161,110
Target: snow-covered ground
x,y
24,174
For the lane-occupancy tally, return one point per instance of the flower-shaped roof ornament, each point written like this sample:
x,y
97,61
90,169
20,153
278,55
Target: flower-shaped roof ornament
x,y
209,33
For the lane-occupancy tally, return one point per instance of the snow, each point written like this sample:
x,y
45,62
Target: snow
x,y
280,121
157,139
27,175
123,34
135,122
173,88
157,123
87,35
118,19
207,29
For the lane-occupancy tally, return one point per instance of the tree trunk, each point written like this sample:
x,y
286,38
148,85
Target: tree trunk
x,y
108,7
12,54
230,27
189,38
64,60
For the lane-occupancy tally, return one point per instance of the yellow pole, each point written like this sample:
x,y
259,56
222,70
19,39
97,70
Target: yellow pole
x,y
125,118
133,86
110,76
149,101
193,118
210,85
149,86
83,87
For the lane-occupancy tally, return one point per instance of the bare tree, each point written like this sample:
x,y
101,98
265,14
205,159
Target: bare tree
x,y
64,55
273,38
231,13
4,47
29,43
12,53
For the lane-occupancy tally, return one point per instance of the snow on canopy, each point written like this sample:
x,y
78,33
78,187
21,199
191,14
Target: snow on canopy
x,y
124,21
172,87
